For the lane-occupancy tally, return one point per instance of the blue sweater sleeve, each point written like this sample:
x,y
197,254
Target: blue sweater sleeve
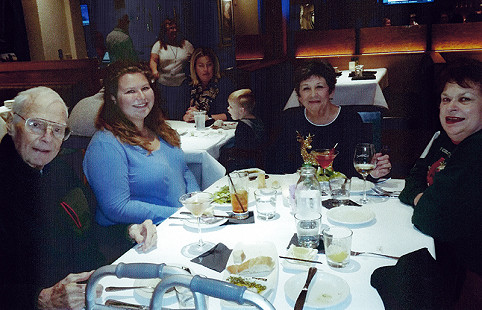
x,y
106,167
191,182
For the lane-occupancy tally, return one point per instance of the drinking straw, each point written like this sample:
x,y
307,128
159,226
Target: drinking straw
x,y
336,144
236,193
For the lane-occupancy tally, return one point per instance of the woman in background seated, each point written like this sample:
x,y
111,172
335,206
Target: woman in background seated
x,y
133,163
444,186
327,123
209,92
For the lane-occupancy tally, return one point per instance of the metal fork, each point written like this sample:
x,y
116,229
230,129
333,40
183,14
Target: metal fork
x,y
355,253
382,192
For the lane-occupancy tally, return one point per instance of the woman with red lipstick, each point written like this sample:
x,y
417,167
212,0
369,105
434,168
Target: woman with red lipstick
x,y
329,124
134,163
444,186
209,92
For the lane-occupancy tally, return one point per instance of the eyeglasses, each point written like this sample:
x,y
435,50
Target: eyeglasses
x,y
39,127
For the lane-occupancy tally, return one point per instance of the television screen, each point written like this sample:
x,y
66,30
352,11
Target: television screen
x,y
84,10
404,1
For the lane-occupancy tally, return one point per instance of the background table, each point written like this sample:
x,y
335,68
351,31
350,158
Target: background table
x,y
355,92
391,233
202,149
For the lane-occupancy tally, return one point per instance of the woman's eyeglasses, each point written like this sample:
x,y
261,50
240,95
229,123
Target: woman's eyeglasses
x,y
39,127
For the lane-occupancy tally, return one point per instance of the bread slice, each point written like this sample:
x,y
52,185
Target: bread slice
x,y
260,264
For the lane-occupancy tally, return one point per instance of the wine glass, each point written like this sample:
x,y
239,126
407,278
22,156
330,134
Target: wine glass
x,y
196,203
325,158
364,161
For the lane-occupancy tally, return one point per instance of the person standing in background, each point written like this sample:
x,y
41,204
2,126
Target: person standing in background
x,y
119,43
169,56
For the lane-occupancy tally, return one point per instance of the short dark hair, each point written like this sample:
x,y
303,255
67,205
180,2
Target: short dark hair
x,y
318,68
465,72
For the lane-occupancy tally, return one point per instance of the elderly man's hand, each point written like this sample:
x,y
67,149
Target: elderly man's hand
x,y
67,294
145,233
383,166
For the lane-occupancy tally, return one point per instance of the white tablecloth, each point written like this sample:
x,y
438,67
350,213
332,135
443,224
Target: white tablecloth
x,y
391,233
358,92
201,149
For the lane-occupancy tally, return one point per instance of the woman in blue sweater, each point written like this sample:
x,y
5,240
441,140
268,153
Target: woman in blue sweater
x,y
134,163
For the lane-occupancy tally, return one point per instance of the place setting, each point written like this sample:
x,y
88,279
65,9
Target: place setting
x,y
311,287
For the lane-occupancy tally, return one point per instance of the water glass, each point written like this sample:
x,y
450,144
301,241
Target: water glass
x,y
359,70
200,119
340,188
308,226
337,242
265,203
185,297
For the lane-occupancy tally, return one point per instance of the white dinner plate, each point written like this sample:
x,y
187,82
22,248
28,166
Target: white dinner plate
x,y
351,215
393,185
208,222
326,290
252,250
357,185
147,293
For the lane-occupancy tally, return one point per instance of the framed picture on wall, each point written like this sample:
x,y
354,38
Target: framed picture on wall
x,y
226,24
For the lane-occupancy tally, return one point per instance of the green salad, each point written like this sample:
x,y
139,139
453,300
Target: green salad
x,y
330,174
239,281
222,195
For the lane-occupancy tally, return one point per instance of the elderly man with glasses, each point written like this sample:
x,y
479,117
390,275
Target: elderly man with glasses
x,y
49,240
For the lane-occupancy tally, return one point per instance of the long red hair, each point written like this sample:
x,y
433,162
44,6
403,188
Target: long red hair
x,y
112,118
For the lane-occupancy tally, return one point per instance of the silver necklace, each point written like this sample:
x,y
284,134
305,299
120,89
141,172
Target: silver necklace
x,y
174,52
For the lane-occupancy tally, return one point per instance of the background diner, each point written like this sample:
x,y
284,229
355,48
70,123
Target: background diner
x,y
383,62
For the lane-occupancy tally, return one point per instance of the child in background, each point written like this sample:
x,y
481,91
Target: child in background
x,y
250,135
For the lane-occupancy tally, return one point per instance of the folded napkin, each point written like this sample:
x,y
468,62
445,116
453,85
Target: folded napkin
x,y
364,73
294,240
215,259
415,282
248,220
331,203
365,77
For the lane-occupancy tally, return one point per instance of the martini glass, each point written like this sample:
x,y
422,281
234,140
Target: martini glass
x,y
196,203
325,158
364,161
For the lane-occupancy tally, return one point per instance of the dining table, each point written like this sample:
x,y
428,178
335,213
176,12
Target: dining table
x,y
349,91
202,149
390,232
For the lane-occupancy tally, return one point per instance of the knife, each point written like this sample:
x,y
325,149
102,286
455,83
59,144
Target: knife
x,y
214,215
300,301
124,305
